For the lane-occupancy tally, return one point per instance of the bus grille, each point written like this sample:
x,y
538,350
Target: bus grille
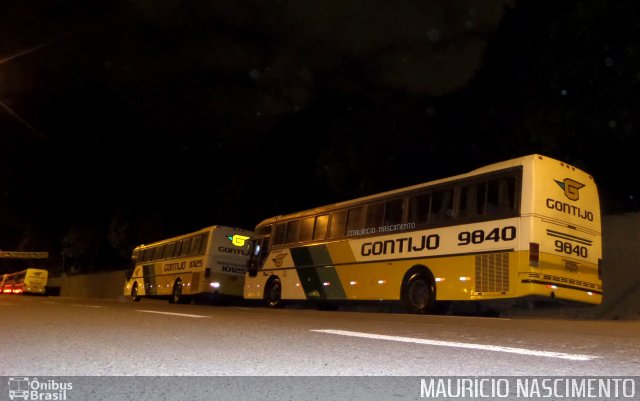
x,y
492,272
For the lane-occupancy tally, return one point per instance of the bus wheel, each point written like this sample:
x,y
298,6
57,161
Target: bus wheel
x,y
134,293
176,294
418,293
273,293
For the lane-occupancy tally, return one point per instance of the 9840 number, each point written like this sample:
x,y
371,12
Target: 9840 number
x,y
507,233
570,249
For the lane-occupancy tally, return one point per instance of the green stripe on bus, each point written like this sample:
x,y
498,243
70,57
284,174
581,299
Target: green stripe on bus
x,y
320,255
316,272
311,283
317,255
307,273
330,282
301,256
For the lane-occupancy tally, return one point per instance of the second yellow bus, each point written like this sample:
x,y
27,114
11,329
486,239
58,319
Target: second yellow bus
x,y
210,262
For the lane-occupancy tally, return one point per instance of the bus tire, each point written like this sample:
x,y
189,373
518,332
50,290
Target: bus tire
x,y
176,293
273,293
134,293
418,293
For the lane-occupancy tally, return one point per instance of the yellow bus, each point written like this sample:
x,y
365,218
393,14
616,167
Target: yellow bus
x,y
209,262
31,281
522,229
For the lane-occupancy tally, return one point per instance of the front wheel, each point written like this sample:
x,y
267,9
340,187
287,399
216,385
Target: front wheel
x,y
418,294
176,294
273,294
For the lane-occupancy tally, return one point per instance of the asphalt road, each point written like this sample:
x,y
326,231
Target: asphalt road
x,y
53,336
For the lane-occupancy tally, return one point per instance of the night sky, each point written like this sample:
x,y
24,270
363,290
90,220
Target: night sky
x,y
128,121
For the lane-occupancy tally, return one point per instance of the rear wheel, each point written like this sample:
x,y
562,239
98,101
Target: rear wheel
x,y
176,294
273,293
134,293
418,294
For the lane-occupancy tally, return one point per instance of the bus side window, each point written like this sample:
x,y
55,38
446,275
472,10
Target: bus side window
x,y
306,229
441,205
394,211
291,235
493,196
176,251
281,229
146,254
203,243
374,215
184,251
338,224
501,195
508,194
354,219
169,249
194,249
157,252
472,199
419,209
320,231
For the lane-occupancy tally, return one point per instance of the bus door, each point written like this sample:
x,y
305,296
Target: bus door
x,y
259,249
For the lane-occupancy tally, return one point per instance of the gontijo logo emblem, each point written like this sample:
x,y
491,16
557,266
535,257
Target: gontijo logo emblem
x,y
570,188
237,239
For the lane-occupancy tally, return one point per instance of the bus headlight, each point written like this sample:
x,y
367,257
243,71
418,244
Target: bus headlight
x,y
215,284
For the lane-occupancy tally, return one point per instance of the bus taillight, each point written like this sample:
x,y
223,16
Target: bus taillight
x,y
534,254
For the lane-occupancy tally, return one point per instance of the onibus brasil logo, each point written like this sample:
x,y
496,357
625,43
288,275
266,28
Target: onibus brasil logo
x,y
34,389
237,239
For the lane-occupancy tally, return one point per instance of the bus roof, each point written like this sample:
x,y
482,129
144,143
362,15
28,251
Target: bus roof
x,y
191,234
519,161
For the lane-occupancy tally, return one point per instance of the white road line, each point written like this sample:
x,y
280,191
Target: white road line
x,y
88,306
484,347
169,313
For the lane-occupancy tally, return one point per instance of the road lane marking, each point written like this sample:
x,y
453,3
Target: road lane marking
x,y
88,306
483,347
169,313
